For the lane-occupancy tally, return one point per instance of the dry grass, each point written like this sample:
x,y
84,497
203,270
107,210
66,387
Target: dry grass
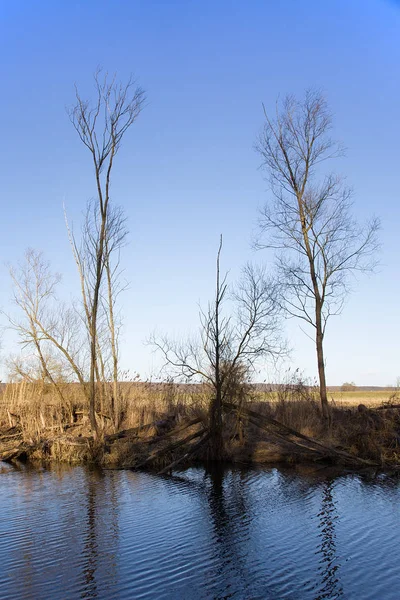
x,y
38,412
369,398
364,432
148,402
62,432
370,434
36,407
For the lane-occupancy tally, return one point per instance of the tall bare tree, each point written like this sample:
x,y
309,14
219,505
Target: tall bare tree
x,y
228,346
108,318
309,221
101,126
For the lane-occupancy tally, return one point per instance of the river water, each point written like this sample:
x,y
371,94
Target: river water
x,y
246,534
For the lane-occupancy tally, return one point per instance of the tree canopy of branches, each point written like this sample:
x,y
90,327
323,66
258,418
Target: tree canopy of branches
x,y
47,328
228,347
309,221
101,126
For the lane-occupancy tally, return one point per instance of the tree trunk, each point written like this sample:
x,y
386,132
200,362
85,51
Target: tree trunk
x,y
216,439
326,415
93,348
115,403
92,390
94,311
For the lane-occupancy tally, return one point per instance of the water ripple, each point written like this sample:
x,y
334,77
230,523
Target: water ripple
x,y
205,534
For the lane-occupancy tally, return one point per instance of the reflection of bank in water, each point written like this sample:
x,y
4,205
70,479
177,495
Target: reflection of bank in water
x,y
330,586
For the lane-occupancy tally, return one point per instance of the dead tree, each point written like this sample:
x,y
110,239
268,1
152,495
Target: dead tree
x,y
101,127
309,221
227,345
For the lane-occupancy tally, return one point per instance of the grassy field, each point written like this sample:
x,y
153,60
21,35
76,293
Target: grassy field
x,y
369,398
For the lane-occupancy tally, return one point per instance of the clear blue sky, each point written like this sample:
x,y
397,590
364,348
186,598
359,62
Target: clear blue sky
x,y
187,170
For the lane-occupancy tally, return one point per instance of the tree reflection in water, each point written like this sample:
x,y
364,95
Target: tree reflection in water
x,y
100,536
260,534
230,521
330,586
90,552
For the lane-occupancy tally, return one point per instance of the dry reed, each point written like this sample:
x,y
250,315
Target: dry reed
x,y
41,416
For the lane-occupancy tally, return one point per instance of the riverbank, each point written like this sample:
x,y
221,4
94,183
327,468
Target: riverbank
x,y
256,433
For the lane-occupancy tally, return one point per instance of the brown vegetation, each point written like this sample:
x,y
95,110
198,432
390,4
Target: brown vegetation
x,y
165,425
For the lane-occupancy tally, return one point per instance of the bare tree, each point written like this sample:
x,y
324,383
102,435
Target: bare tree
x,y
45,326
108,318
308,221
101,127
228,347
